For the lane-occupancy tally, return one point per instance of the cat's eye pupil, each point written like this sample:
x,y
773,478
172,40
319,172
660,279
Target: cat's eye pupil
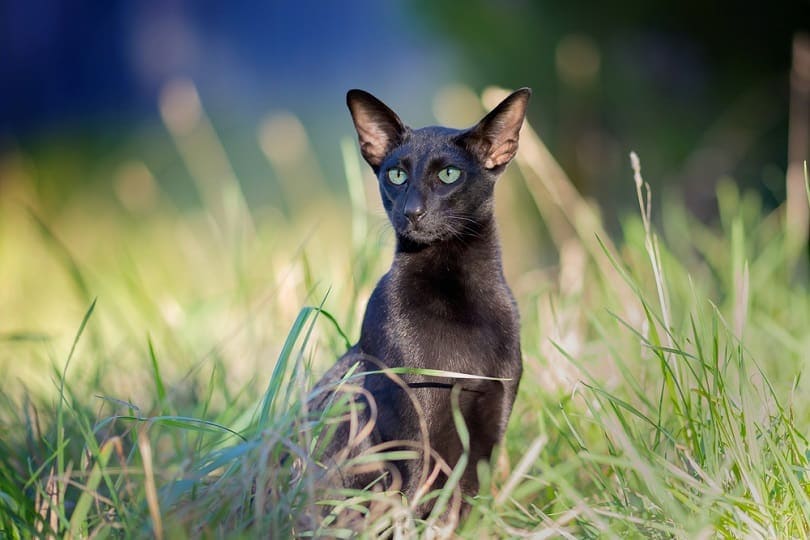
x,y
448,175
397,176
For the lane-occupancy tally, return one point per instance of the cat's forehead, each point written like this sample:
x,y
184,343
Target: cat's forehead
x,y
434,132
429,141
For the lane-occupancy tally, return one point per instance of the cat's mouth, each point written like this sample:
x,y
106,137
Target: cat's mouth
x,y
421,237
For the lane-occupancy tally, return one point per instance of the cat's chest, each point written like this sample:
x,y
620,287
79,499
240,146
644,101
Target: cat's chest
x,y
451,327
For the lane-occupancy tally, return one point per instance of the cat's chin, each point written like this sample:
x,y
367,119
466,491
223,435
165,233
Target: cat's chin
x,y
422,238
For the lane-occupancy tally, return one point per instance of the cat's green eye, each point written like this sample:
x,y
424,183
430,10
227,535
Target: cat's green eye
x,y
448,175
397,176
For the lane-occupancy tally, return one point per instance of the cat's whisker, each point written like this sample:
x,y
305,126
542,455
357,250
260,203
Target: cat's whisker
x,y
463,217
468,231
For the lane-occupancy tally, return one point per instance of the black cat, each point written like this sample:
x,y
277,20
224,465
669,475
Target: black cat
x,y
443,305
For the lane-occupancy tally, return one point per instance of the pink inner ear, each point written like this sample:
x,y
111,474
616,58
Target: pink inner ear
x,y
373,141
502,154
371,152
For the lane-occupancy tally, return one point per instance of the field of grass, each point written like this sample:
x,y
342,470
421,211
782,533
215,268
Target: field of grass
x,y
156,361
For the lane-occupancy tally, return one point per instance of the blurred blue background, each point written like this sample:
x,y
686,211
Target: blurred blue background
x,y
699,90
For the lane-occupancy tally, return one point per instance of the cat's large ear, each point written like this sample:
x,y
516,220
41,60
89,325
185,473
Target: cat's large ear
x,y
379,129
495,138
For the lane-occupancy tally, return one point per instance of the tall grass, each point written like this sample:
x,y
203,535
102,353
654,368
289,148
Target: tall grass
x,y
158,386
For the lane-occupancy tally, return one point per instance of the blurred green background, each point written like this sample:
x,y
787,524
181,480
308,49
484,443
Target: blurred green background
x,y
699,91
138,139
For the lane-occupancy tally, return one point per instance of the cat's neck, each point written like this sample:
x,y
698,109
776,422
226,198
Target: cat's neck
x,y
475,254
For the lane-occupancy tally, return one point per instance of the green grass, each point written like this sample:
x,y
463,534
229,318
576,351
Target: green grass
x,y
156,369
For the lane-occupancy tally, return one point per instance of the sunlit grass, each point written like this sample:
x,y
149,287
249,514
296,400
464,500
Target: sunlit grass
x,y
662,394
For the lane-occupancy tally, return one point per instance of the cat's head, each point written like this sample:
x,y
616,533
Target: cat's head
x,y
436,183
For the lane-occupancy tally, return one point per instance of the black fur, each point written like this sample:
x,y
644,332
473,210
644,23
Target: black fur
x,y
444,304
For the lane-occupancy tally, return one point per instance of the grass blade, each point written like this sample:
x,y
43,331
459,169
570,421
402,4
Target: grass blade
x,y
78,525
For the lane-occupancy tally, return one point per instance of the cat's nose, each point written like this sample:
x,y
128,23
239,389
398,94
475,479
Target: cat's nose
x,y
414,210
